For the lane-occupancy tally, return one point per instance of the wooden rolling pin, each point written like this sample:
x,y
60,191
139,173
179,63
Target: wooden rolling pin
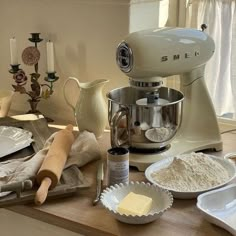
x,y
50,172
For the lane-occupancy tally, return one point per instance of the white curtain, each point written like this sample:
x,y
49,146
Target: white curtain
x,y
220,17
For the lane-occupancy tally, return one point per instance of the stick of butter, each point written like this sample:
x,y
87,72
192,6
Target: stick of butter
x,y
135,204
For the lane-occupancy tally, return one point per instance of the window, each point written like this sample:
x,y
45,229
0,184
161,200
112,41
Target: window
x,y
220,77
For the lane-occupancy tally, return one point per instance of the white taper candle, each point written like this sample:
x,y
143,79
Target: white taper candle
x,y
50,57
13,51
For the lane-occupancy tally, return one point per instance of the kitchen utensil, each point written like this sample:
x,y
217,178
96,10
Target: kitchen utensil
x,y
90,110
162,200
146,57
17,187
100,176
51,169
219,207
71,181
229,167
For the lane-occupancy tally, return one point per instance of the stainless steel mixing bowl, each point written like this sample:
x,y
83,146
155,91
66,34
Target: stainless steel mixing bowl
x,y
141,119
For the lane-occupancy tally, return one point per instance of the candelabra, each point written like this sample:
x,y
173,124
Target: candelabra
x,y
30,57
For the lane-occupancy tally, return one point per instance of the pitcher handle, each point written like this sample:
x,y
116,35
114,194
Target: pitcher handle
x,y
123,111
64,92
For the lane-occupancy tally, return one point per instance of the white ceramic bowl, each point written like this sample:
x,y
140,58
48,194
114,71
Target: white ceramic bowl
x,y
162,201
219,207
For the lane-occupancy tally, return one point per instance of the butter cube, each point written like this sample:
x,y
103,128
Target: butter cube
x,y
135,204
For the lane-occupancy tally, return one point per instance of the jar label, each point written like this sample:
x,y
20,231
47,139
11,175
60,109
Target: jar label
x,y
118,172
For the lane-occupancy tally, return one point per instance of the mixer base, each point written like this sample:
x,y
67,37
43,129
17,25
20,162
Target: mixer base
x,y
179,146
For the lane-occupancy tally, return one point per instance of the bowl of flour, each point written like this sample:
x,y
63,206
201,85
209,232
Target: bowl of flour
x,y
189,175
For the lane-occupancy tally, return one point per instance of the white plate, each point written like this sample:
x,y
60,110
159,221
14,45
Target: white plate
x,y
13,139
219,207
188,195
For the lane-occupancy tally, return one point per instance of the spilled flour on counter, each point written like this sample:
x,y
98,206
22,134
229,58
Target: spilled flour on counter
x,y
190,173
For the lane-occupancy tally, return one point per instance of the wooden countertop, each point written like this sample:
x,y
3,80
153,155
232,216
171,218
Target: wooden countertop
x,y
77,214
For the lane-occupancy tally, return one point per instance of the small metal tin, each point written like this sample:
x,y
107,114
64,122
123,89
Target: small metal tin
x,y
117,165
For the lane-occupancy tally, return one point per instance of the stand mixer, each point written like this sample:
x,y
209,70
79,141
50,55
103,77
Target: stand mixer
x,y
157,122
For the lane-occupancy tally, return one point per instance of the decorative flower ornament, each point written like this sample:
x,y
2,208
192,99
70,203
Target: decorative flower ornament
x,y
30,56
20,77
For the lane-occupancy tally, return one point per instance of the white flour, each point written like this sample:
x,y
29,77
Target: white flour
x,y
190,173
157,134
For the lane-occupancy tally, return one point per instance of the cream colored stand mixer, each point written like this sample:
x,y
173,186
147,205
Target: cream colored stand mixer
x,y
157,122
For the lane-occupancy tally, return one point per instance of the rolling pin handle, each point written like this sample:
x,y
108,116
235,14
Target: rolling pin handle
x,y
42,192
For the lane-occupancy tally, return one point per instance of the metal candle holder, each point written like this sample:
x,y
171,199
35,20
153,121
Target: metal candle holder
x,y
14,68
31,56
51,78
35,38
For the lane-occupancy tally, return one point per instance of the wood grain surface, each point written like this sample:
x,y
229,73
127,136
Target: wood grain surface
x,y
77,214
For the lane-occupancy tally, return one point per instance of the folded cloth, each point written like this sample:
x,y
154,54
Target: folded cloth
x,y
84,150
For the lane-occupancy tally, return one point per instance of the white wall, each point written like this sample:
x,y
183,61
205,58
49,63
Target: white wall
x,y
85,35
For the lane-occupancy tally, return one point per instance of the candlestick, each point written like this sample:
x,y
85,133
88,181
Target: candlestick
x,y
13,51
50,57
14,68
51,77
35,38
30,57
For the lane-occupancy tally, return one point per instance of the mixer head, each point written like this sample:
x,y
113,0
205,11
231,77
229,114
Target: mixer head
x,y
148,55
125,60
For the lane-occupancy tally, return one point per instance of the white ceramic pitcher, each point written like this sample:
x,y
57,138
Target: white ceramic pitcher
x,y
90,110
